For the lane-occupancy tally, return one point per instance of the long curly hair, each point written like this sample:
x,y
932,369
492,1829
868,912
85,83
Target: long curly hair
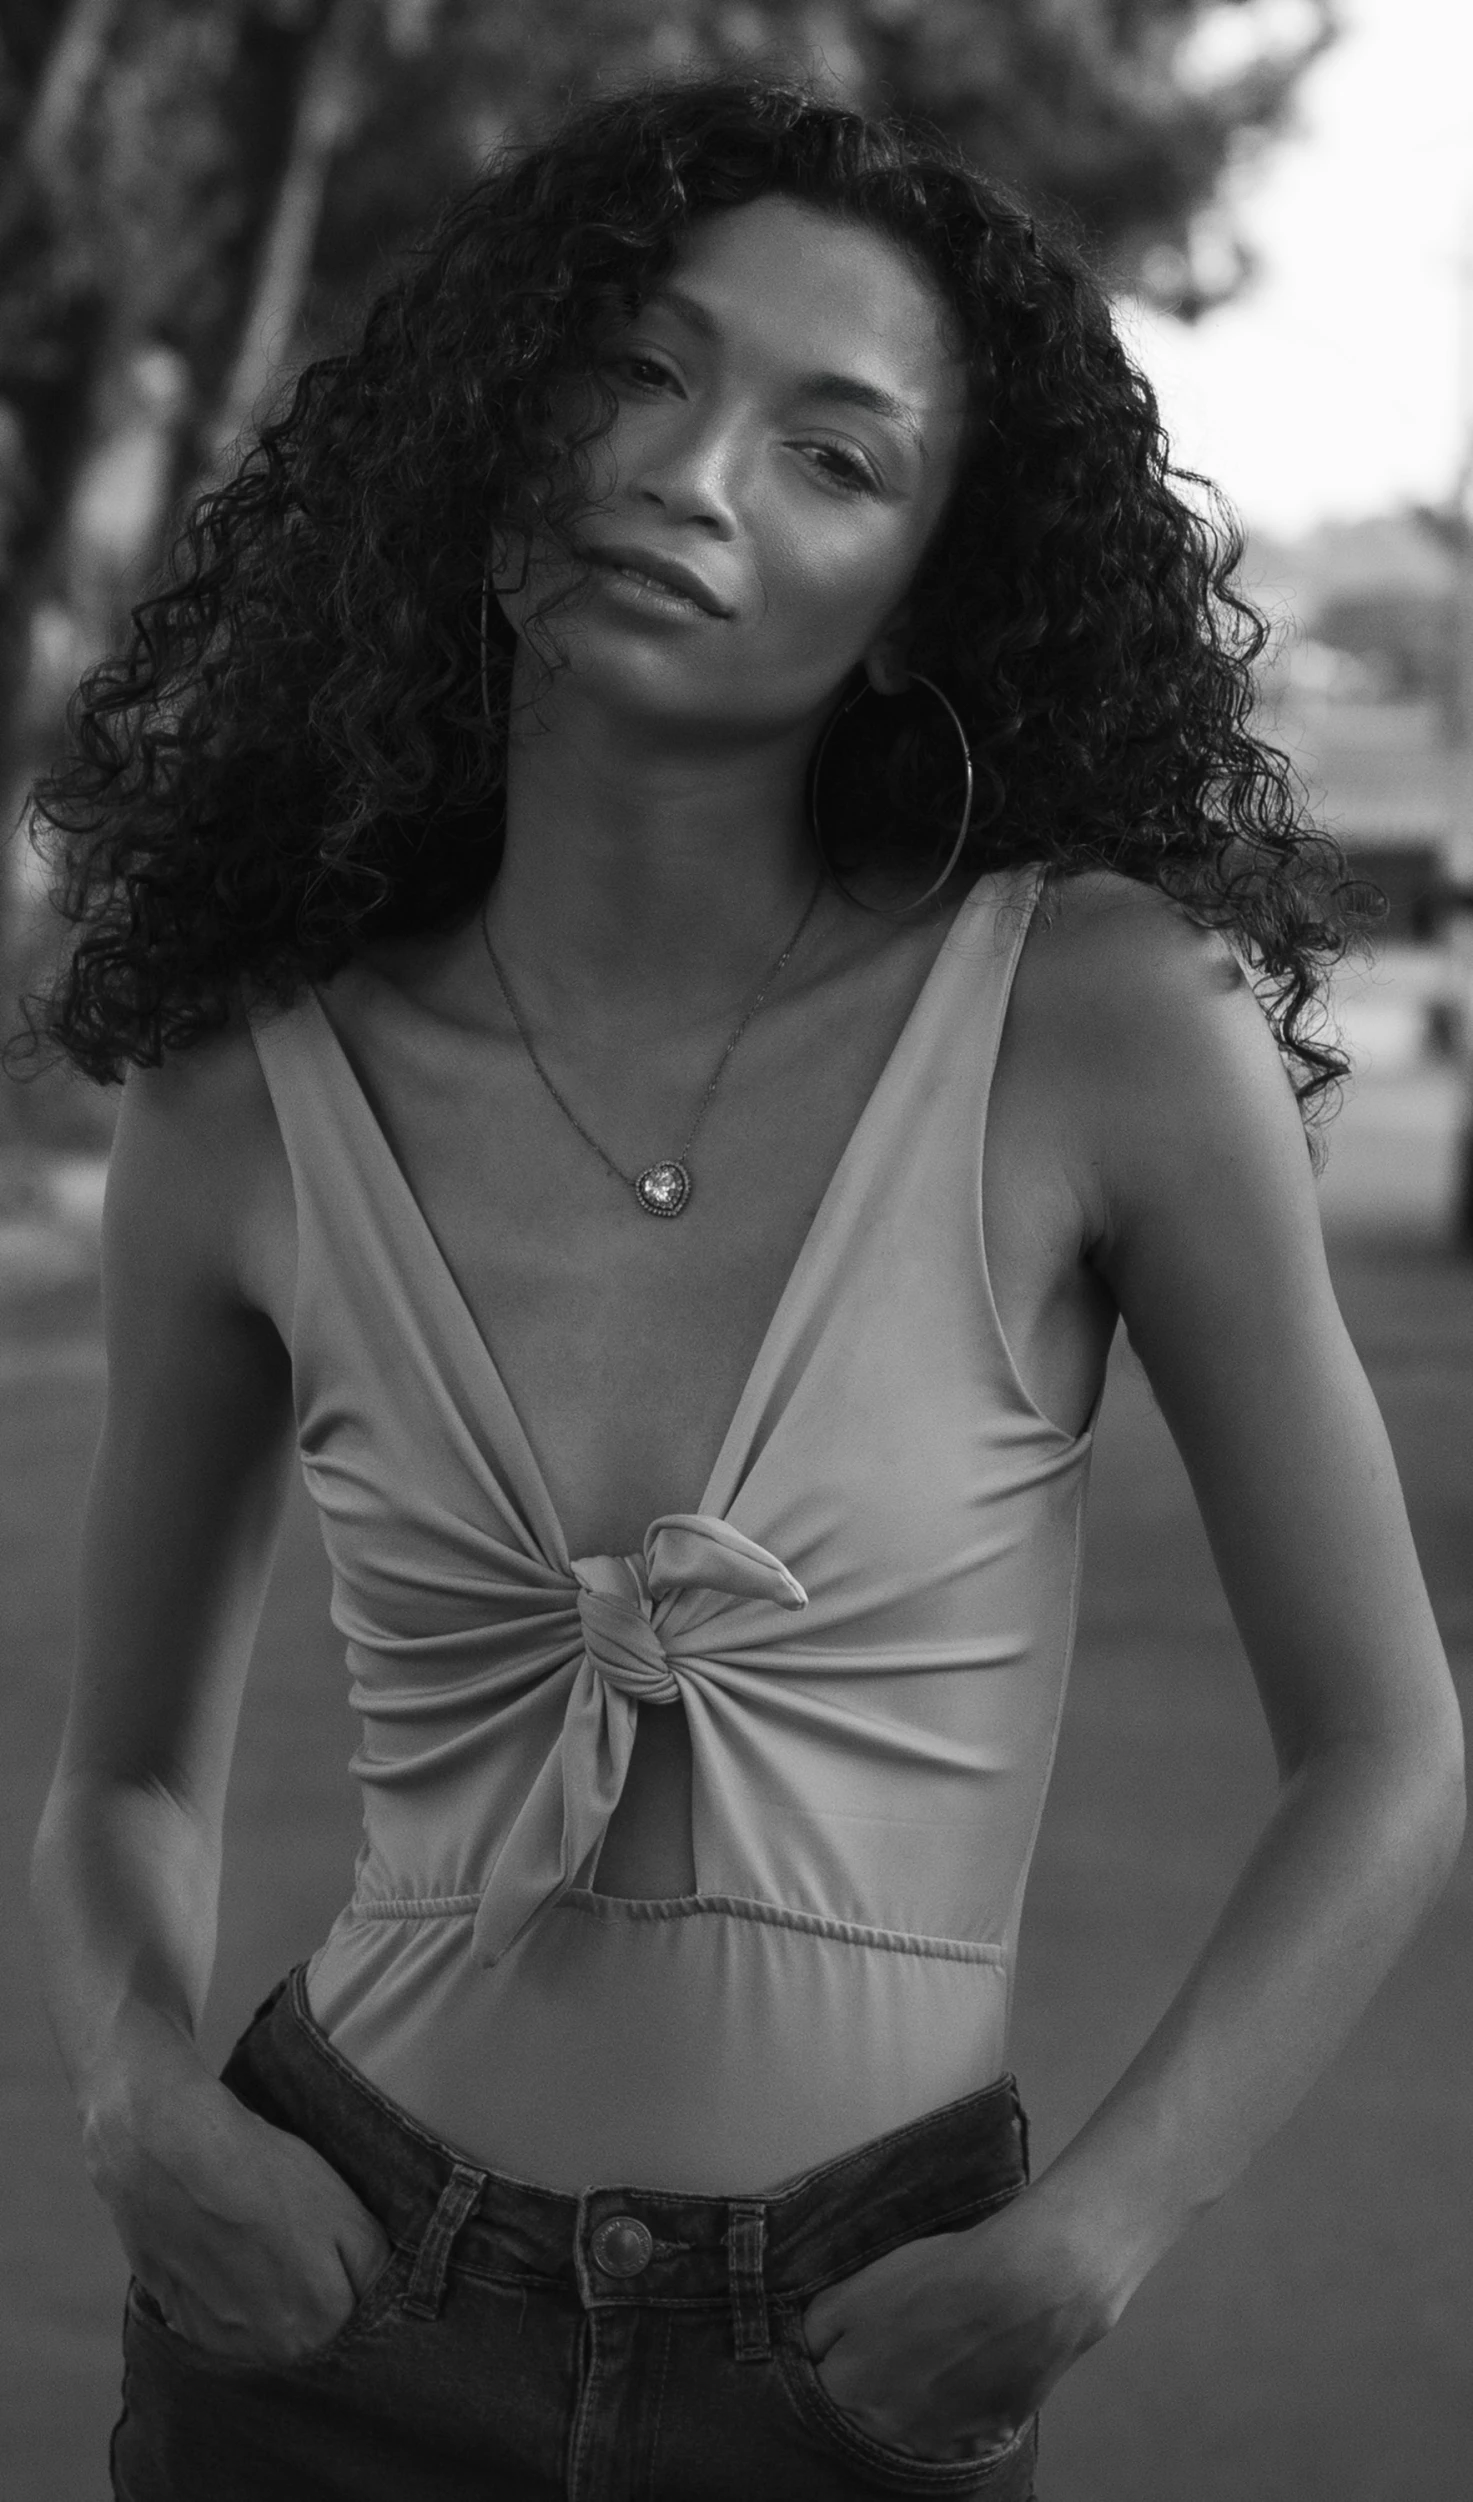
x,y
302,747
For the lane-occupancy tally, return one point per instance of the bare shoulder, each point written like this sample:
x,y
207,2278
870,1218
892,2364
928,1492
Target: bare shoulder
x,y
1127,982
1112,946
1152,1048
201,1110
199,1190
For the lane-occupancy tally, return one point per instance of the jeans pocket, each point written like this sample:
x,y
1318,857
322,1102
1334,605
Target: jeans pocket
x,y
379,2299
1003,2473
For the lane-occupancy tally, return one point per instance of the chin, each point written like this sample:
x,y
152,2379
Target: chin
x,y
632,676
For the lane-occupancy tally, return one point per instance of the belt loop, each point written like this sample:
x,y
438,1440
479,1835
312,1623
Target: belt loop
x,y
745,2233
425,2291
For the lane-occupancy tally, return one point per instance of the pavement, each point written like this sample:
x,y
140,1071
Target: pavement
x,y
1308,2342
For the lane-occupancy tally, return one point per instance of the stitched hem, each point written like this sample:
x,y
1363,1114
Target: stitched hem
x,y
690,1907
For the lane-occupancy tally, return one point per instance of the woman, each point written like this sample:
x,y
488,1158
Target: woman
x,y
699,777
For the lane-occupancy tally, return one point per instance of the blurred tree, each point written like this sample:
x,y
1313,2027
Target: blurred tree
x,y
196,192
149,147
1126,114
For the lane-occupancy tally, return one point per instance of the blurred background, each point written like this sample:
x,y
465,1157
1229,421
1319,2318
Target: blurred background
x,y
198,195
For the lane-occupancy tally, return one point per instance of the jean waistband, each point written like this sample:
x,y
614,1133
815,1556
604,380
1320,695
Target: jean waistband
x,y
624,2243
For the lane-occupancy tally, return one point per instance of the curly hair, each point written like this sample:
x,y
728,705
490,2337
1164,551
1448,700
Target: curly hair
x,y
293,757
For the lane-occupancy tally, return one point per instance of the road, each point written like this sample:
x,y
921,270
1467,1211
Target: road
x,y
1309,2341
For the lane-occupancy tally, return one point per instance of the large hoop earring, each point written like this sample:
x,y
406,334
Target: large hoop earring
x,y
485,638
915,679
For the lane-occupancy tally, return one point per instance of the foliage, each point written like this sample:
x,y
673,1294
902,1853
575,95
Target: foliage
x,y
1109,110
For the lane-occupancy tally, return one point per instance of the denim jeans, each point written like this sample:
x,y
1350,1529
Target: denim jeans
x,y
522,2345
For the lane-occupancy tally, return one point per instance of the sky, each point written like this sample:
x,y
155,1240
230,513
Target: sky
x,y
1331,389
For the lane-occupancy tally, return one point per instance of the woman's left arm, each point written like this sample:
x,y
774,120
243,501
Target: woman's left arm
x,y
1210,1241
1206,1228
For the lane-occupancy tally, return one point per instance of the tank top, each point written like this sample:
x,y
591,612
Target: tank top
x,y
867,1623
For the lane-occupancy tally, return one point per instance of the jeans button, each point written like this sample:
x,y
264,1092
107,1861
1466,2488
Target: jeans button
x,y
622,2245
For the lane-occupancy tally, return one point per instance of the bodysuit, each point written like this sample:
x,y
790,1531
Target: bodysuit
x,y
867,1622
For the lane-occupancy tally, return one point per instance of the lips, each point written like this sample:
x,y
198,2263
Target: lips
x,y
666,573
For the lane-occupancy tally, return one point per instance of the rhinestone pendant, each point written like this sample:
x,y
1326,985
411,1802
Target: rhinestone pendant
x,y
663,1189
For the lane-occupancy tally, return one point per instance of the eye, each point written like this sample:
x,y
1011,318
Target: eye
x,y
645,372
841,468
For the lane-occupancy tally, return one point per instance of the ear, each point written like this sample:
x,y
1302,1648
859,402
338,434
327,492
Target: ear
x,y
885,662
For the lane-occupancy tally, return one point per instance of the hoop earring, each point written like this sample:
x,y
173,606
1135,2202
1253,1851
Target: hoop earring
x,y
485,638
955,853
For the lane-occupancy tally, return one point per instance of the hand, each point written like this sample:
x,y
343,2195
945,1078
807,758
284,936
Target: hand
x,y
947,2345
251,2245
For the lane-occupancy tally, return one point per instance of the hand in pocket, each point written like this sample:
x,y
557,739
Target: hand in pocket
x,y
251,2245
947,2345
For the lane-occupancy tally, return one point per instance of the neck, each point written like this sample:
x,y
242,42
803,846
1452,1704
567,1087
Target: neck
x,y
634,866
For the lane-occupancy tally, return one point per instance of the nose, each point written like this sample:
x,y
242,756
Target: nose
x,y
692,474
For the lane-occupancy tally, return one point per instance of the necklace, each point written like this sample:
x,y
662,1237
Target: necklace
x,y
662,1188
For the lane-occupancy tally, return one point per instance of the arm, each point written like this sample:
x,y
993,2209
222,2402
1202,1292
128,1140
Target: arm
x,y
240,2233
1209,1237
1187,1161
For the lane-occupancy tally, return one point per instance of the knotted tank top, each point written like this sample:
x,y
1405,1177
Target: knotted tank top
x,y
867,1623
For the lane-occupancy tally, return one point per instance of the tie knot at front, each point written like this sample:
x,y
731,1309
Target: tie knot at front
x,y
624,1647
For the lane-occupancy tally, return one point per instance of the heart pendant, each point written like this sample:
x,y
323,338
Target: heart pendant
x,y
663,1189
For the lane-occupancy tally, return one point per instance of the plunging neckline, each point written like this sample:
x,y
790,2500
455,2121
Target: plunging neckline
x,y
807,1252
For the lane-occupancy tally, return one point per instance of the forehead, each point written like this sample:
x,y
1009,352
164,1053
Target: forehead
x,y
812,288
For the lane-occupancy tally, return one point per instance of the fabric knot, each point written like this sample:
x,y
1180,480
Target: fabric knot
x,y
690,1567
624,1647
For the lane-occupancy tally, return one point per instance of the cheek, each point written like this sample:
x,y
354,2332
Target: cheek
x,y
631,440
836,577
599,464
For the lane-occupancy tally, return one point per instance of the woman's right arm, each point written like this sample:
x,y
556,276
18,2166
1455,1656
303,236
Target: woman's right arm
x,y
249,2242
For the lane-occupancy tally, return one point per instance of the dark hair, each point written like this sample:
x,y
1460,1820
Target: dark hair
x,y
291,756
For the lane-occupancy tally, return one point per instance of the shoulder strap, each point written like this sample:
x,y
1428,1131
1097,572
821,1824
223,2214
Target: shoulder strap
x,y
381,1325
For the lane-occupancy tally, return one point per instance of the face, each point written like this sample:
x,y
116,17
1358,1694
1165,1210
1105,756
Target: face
x,y
788,426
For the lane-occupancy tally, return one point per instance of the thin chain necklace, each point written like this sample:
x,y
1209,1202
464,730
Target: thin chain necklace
x,y
662,1188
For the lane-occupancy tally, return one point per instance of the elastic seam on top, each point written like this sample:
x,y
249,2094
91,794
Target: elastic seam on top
x,y
416,1907
692,1906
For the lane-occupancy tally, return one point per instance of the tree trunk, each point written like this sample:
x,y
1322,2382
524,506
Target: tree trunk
x,y
47,155
178,254
327,108
51,328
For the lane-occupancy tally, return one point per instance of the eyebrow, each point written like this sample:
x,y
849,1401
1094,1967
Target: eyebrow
x,y
839,390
